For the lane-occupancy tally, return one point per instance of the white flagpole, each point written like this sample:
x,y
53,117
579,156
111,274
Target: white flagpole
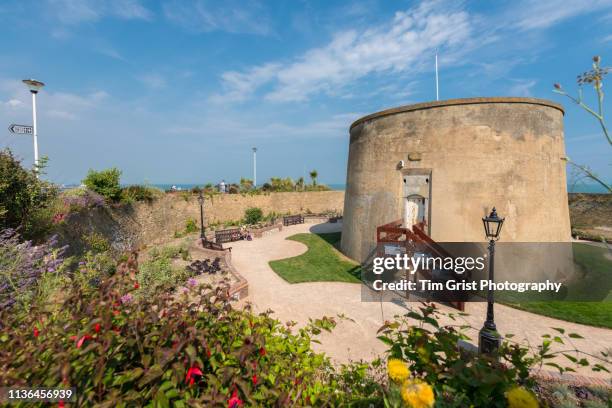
x,y
437,93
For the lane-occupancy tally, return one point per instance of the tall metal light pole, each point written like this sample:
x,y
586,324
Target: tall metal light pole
x,y
201,202
254,167
489,339
34,86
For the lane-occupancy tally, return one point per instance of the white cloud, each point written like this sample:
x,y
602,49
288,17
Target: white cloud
x,y
522,87
399,46
14,103
233,16
153,80
82,11
539,14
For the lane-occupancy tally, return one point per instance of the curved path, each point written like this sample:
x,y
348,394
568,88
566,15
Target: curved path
x,y
356,339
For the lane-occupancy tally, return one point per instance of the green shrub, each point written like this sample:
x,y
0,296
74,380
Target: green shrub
x,y
105,183
430,353
158,274
191,226
253,215
96,242
136,193
24,199
122,349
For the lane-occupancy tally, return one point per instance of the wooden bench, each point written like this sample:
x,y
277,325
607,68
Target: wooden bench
x,y
293,220
228,235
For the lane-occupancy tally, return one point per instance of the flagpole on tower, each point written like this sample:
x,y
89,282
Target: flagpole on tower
x,y
437,92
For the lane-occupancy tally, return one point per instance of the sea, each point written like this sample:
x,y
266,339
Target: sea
x,y
574,188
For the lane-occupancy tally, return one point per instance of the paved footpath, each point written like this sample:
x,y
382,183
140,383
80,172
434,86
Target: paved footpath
x,y
356,340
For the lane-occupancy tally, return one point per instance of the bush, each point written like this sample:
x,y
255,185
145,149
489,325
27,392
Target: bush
x,y
121,349
105,183
191,226
253,215
96,242
158,274
427,355
78,199
22,265
135,193
24,198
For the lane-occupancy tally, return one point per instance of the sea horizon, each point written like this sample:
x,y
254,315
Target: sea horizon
x,y
571,188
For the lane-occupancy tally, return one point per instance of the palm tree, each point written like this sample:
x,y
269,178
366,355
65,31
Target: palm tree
x,y
313,176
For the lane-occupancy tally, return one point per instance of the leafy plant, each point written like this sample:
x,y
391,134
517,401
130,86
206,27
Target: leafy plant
x,y
136,193
121,349
432,355
24,198
96,242
22,265
105,183
253,215
595,78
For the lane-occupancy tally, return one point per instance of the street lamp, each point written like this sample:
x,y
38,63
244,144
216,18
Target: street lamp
x,y
489,339
201,201
34,86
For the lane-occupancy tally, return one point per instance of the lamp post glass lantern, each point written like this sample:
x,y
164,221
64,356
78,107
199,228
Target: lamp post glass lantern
x,y
201,202
489,340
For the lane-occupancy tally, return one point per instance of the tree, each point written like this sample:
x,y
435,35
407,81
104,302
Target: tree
x,y
104,182
23,197
594,77
313,175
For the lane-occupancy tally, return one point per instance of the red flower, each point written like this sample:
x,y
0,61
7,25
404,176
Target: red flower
x,y
136,285
234,401
97,328
262,351
116,312
191,373
82,340
36,332
254,379
208,353
61,404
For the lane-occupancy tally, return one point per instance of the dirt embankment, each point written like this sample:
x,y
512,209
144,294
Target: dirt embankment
x,y
591,215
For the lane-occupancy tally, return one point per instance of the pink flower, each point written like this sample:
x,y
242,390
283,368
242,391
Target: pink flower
x,y
191,373
192,282
234,401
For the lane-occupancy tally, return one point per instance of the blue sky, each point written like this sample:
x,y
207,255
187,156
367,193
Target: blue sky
x,y
179,91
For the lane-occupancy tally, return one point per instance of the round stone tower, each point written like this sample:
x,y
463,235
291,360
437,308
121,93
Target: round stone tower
x,y
452,161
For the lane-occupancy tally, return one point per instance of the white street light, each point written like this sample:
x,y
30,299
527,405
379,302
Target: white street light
x,y
254,167
34,86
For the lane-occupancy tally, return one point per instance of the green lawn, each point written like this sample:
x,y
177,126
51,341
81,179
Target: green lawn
x,y
321,263
596,279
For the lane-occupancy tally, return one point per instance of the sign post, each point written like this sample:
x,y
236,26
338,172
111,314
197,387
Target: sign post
x,y
21,129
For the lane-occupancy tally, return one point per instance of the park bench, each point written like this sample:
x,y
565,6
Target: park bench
x,y
293,220
228,235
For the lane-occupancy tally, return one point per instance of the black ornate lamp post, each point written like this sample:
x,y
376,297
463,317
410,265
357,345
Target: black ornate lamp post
x,y
201,201
489,339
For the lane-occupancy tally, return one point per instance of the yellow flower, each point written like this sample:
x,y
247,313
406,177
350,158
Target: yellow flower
x,y
397,369
519,397
417,394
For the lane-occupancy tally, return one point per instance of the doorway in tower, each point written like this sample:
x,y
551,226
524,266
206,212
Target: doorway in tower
x,y
416,202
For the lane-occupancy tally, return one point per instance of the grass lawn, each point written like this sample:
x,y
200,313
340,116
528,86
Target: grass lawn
x,y
321,263
597,278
